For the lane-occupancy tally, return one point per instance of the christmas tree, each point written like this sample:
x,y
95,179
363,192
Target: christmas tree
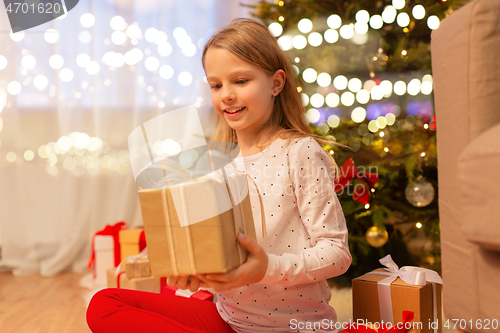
x,y
364,69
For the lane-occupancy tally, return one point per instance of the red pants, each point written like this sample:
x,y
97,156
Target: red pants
x,y
122,310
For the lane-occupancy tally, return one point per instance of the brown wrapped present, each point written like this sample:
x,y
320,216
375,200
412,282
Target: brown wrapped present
x,y
137,266
382,295
149,284
191,228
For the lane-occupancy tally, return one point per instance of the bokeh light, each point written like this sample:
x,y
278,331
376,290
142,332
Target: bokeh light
x,y
331,36
347,98
389,14
340,82
305,25
403,20
276,29
66,74
56,61
418,12
14,88
315,39
334,21
333,121
118,23
87,20
118,37
85,37
324,79
354,85
28,61
376,22
317,100
40,82
347,31
358,114
400,88
332,100
51,36
185,78
362,16
363,96
309,75
433,22
152,63
299,42
18,36
166,72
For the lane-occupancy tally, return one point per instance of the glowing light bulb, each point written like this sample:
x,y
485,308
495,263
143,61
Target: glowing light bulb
x,y
276,29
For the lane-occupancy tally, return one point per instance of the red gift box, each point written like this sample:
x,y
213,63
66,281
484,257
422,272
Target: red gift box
x,y
204,295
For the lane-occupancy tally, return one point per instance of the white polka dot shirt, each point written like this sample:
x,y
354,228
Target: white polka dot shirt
x,y
306,241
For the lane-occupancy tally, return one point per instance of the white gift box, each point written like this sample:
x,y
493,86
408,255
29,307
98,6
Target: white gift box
x,y
104,248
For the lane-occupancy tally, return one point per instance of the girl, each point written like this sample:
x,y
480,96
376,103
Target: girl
x,y
282,286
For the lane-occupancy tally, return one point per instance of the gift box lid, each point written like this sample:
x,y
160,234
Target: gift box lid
x,y
136,259
104,243
371,277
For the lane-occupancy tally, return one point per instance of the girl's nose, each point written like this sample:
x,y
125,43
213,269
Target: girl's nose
x,y
228,95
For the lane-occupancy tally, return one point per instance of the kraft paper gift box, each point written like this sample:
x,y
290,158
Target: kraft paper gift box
x,y
375,300
177,247
132,242
137,266
120,280
191,218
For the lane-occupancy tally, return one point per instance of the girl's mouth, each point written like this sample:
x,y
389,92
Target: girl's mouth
x,y
235,111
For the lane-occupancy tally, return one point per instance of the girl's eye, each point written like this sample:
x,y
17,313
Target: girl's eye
x,y
215,86
241,81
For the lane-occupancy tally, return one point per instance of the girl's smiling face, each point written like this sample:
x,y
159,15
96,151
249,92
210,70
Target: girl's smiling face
x,y
241,92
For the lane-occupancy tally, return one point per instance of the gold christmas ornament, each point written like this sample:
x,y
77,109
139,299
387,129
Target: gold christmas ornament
x,y
376,236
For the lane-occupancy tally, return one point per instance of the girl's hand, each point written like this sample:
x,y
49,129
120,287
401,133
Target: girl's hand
x,y
251,271
190,282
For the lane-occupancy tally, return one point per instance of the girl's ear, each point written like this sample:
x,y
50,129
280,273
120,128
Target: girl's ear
x,y
278,81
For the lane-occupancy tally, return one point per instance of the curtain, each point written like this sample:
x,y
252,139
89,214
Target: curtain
x,y
71,91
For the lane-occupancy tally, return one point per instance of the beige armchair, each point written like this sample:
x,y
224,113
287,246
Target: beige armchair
x,y
466,68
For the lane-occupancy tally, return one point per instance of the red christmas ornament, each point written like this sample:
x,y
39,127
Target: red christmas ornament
x,y
365,180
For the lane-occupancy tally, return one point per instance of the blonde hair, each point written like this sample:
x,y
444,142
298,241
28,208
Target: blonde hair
x,y
252,42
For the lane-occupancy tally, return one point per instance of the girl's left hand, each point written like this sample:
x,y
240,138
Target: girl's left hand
x,y
251,271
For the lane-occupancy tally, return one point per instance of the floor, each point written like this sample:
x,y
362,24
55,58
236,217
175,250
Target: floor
x,y
34,304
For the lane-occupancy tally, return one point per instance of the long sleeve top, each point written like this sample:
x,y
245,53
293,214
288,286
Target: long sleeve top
x,y
306,241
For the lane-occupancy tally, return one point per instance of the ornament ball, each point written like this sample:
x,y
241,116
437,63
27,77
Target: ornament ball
x,y
376,236
420,193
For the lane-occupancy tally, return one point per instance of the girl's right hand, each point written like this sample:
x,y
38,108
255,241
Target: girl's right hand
x,y
184,282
